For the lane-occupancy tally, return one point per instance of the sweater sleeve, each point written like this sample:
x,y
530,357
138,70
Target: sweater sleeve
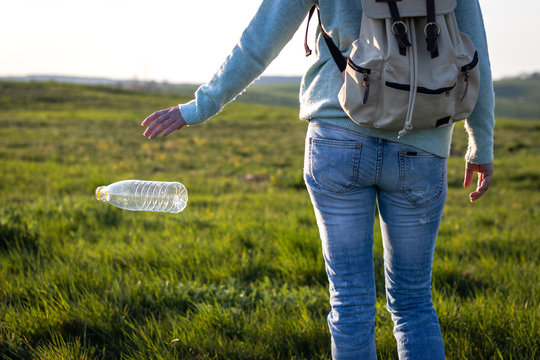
x,y
269,31
480,123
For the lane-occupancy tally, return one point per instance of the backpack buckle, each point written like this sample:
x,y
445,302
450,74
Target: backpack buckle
x,y
397,31
428,25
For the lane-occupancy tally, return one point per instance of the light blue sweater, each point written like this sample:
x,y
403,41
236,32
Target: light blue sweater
x,y
273,26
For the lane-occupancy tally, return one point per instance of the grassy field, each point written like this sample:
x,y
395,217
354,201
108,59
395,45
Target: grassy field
x,y
238,274
281,94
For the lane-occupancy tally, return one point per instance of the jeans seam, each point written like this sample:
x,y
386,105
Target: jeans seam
x,y
356,160
338,128
311,163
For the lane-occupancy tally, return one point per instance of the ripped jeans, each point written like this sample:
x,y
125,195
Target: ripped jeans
x,y
348,175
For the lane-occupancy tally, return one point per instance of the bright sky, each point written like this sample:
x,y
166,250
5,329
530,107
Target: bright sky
x,y
187,40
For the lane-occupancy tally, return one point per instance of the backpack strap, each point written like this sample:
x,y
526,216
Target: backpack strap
x,y
432,29
339,59
306,46
399,28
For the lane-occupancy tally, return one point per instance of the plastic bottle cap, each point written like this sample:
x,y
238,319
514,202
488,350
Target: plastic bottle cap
x,y
98,193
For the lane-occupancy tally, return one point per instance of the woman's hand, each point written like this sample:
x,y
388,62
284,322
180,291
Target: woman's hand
x,y
485,171
163,121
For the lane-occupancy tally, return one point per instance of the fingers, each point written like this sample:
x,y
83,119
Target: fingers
x,y
164,122
152,117
469,172
157,125
153,121
171,128
485,173
482,187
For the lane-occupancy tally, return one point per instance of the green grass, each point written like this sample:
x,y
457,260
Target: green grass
x,y
273,94
238,274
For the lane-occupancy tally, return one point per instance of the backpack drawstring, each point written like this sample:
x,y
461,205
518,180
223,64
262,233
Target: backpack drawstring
x,y
413,70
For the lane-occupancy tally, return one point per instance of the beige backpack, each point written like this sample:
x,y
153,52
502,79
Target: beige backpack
x,y
409,68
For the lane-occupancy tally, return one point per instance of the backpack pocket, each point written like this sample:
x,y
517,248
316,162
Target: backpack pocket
x,y
467,88
434,101
360,92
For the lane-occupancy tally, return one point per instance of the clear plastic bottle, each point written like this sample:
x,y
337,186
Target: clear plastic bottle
x,y
138,195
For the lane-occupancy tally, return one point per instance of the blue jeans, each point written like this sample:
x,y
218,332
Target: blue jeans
x,y
348,175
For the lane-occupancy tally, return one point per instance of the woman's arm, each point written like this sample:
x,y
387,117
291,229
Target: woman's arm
x,y
480,123
269,31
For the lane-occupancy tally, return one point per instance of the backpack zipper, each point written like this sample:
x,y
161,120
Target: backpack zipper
x,y
472,64
365,78
466,69
419,89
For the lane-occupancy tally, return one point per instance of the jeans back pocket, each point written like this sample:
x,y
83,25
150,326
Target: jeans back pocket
x,y
422,176
333,164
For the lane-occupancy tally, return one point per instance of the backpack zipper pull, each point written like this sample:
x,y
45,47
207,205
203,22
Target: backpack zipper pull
x,y
365,84
466,84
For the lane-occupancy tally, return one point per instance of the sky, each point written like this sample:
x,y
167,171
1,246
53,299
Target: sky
x,y
183,41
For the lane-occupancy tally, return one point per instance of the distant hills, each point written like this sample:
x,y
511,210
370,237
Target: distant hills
x,y
264,80
517,97
66,79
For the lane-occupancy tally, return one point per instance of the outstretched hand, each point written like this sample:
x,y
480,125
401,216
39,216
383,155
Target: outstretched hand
x,y
485,171
163,121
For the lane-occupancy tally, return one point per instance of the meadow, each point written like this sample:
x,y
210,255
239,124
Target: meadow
x,y
239,273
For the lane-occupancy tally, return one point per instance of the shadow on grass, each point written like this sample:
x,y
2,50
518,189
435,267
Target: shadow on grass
x,y
459,283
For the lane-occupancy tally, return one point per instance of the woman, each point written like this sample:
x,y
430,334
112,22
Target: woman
x,y
350,169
